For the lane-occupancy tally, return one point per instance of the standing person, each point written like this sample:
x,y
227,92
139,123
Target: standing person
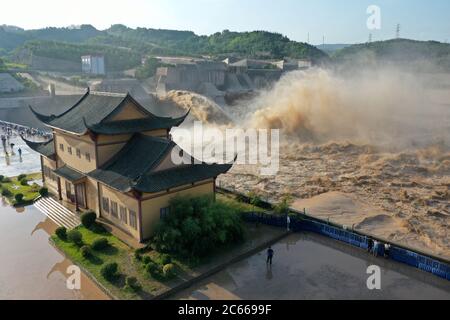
x,y
288,222
387,248
369,245
375,248
4,142
270,254
20,152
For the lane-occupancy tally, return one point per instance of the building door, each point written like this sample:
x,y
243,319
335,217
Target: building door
x,y
81,195
69,193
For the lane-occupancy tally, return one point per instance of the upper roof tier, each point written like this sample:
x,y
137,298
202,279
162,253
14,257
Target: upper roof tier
x,y
95,112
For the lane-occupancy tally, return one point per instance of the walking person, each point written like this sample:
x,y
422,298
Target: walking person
x,y
270,254
288,222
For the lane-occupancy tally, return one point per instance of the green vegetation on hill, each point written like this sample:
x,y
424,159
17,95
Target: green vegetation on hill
x,y
398,51
115,58
124,46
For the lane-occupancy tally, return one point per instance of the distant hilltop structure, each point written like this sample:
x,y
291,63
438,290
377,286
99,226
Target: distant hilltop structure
x,y
93,64
8,84
221,79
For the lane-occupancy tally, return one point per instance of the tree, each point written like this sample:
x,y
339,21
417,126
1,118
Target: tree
x,y
283,206
148,70
255,199
196,226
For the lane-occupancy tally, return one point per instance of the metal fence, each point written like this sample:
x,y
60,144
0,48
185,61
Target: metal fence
x,y
297,224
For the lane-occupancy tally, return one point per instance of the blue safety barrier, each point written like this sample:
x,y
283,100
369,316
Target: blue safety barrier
x,y
411,258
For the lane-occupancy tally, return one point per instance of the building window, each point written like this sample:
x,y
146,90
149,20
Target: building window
x,y
69,150
133,219
164,212
123,214
114,212
105,204
61,147
88,156
79,153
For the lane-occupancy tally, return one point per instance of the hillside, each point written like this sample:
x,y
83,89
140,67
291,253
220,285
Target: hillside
x,y
70,43
404,52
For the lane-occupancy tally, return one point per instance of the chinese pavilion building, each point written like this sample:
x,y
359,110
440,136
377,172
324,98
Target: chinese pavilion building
x,y
111,155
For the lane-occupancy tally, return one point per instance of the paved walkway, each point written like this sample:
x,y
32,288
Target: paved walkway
x,y
13,165
309,266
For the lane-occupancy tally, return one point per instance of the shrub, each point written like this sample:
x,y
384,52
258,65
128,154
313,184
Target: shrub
x,y
21,177
132,283
146,260
43,191
88,219
110,271
197,226
138,255
6,193
165,259
283,206
100,244
18,197
61,233
24,182
153,269
75,237
169,271
85,252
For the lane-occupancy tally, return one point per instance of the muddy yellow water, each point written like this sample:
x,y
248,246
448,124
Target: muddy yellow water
x,y
31,268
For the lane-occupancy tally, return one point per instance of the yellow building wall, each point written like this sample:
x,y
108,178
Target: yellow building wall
x,y
151,208
92,195
106,152
129,112
72,160
50,184
162,133
122,200
167,162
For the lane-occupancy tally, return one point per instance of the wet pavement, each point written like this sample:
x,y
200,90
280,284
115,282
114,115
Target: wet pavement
x,y
12,165
309,266
31,268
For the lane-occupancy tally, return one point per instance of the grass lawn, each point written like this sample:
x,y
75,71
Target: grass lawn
x,y
13,187
119,253
132,264
235,203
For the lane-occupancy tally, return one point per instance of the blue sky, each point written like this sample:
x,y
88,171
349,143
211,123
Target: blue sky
x,y
340,21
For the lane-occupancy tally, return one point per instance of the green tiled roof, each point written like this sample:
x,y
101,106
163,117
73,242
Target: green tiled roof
x,y
132,167
69,174
137,157
92,107
172,178
93,111
136,125
47,149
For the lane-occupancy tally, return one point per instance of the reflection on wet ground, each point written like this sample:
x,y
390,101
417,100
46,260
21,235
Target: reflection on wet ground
x,y
12,164
30,267
308,266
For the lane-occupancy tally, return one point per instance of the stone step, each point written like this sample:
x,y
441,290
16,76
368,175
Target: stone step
x,y
61,210
63,219
52,217
62,216
51,214
57,213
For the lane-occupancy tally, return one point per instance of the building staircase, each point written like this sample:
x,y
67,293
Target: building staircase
x,y
56,212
